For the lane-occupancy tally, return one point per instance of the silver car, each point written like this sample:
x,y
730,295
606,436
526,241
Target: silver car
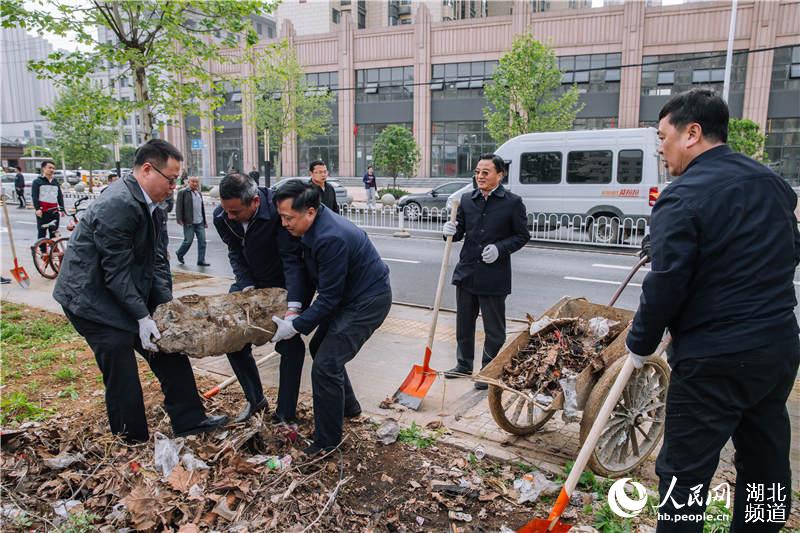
x,y
429,203
341,192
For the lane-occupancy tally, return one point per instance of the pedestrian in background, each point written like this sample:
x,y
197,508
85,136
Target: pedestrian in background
x,y
19,188
371,186
48,201
190,213
255,176
494,224
724,246
319,177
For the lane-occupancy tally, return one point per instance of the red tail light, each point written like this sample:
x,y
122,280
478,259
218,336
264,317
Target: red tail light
x,y
653,196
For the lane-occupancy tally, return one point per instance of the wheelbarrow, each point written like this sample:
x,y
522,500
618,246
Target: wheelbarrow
x,y
636,424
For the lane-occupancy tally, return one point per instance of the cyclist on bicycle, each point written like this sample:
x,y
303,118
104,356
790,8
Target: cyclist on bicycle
x,y
48,200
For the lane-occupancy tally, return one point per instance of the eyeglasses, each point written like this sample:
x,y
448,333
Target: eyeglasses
x,y
172,181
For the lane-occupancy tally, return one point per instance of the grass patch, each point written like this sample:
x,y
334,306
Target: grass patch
x,y
66,373
417,436
69,392
16,407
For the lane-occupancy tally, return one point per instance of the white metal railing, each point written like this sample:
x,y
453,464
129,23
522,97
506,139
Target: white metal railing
x,y
605,231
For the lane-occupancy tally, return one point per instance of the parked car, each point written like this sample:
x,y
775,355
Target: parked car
x,y
436,198
8,185
341,192
71,177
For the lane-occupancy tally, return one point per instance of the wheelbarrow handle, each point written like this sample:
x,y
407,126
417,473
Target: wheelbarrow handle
x,y
627,280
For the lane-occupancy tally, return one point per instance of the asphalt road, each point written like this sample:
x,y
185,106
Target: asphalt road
x,y
541,274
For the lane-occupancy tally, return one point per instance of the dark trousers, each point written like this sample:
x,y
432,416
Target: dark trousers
x,y
189,232
334,345
20,197
114,352
42,221
493,310
740,396
293,352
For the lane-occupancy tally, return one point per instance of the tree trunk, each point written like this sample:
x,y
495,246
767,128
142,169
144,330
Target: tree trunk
x,y
144,112
202,326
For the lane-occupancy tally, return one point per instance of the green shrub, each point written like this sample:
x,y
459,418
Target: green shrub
x,y
397,193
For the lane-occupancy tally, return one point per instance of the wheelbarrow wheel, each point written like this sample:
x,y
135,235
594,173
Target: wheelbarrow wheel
x,y
514,413
636,425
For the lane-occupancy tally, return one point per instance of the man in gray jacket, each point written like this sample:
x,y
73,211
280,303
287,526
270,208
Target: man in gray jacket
x,y
113,275
191,214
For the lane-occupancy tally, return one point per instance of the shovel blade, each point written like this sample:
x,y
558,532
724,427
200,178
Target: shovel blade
x,y
415,387
20,276
540,525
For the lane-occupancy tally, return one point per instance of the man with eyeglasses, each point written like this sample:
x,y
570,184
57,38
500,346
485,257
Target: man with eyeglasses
x,y
113,275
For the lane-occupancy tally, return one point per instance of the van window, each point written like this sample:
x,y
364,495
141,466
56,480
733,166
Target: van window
x,y
540,167
590,166
629,166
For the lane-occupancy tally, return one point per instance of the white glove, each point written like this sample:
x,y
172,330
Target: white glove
x,y
490,254
248,288
285,329
638,360
147,328
449,228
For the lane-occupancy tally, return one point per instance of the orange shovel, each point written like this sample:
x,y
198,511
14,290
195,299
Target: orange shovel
x,y
18,273
419,380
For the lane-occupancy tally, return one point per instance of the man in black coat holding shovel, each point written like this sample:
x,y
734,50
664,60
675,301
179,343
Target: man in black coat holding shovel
x,y
494,224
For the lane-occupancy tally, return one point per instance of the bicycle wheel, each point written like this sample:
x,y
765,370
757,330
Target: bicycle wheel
x,y
41,252
57,251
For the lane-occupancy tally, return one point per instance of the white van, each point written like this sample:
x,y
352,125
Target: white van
x,y
591,173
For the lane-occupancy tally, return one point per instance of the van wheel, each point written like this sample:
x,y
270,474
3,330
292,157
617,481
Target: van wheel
x,y
604,229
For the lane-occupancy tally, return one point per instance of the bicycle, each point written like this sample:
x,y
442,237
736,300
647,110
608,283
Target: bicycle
x,y
48,252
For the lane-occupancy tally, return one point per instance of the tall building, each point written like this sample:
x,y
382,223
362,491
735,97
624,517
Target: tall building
x,y
22,93
626,59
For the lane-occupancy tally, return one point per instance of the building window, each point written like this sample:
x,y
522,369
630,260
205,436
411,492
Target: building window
x,y
259,28
589,167
673,74
786,69
365,139
540,167
595,123
391,84
461,80
457,146
324,147
335,16
596,73
783,147
228,138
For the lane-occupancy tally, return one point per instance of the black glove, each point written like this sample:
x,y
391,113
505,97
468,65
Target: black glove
x,y
645,251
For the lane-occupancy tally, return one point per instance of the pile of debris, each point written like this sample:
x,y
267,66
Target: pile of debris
x,y
558,349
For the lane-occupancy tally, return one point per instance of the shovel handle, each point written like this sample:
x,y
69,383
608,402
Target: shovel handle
x,y
10,233
448,244
216,390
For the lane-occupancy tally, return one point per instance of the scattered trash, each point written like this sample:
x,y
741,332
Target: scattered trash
x,y
63,507
388,431
540,324
63,460
279,463
459,517
532,485
257,459
386,479
223,510
568,386
420,521
192,463
479,452
166,453
414,484
583,529
600,326
505,529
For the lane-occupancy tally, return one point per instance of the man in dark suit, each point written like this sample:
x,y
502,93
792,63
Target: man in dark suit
x,y
190,213
494,224
19,188
353,299
319,177
262,255
724,245
113,275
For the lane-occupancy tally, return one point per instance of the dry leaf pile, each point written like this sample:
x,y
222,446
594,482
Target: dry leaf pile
x,y
565,347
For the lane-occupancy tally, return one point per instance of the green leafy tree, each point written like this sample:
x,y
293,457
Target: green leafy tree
x,y
745,136
162,46
396,152
284,103
82,120
524,93
126,154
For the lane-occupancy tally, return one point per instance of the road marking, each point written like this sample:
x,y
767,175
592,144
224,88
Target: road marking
x,y
392,259
25,222
618,267
605,281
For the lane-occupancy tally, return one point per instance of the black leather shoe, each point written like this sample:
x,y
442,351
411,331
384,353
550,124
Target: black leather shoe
x,y
480,385
313,450
278,419
179,258
454,372
203,264
211,423
249,410
352,413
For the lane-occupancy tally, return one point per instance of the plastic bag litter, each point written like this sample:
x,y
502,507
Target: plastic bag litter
x,y
63,460
166,453
600,326
569,386
543,399
191,463
62,507
532,485
388,431
540,324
